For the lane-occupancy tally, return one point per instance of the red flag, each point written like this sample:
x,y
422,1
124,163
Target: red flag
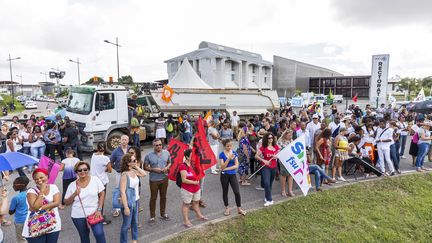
x,y
202,154
176,150
355,98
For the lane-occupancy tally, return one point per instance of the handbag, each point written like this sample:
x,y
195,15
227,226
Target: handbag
x,y
130,195
91,219
42,221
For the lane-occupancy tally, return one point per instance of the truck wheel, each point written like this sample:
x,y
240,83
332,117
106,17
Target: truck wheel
x,y
113,141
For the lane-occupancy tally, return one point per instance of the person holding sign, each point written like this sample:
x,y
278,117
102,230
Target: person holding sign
x,y
267,155
229,165
190,190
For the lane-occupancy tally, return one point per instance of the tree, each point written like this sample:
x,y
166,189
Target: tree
x,y
410,84
125,80
91,80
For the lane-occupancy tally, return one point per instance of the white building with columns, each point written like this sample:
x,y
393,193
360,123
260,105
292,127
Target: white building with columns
x,y
224,67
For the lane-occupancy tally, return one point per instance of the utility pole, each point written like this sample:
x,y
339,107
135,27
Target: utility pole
x,y
10,70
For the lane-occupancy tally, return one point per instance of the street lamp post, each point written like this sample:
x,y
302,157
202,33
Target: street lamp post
x,y
78,64
117,47
10,70
20,76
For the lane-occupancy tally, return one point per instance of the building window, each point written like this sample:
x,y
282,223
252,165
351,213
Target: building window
x,y
313,83
232,66
232,77
265,79
253,69
253,79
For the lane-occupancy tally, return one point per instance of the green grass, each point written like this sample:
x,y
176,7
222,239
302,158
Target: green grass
x,y
396,209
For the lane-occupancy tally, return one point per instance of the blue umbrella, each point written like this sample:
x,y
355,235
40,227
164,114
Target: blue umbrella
x,y
13,160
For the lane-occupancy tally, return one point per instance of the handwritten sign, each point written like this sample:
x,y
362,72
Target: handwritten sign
x,y
293,157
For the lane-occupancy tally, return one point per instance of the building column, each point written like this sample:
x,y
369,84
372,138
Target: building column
x,y
245,75
194,65
222,74
240,74
259,77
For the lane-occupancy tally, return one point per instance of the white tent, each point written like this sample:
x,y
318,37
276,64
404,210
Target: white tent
x,y
187,78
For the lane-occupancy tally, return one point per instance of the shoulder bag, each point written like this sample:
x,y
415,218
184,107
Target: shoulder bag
x,y
92,219
42,221
130,194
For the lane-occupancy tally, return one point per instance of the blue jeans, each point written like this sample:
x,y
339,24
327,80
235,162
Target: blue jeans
x,y
319,173
402,140
36,152
187,136
130,221
423,149
268,175
136,140
84,231
48,238
395,157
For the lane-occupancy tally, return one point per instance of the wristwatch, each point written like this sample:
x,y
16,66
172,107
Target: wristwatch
x,y
99,209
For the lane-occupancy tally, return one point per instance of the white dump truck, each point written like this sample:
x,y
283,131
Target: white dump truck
x,y
102,110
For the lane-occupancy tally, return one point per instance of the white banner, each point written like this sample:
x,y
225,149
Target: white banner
x,y
294,158
379,79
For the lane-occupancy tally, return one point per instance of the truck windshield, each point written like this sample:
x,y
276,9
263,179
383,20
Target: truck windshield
x,y
80,103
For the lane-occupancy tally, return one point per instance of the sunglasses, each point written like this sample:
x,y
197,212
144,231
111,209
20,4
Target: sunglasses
x,y
156,145
81,170
270,137
133,161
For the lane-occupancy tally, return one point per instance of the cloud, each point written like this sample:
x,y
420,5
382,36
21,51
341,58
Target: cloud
x,y
379,13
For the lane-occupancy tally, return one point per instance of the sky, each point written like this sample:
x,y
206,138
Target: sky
x,y
341,35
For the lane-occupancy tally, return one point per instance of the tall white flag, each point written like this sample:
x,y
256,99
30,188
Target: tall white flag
x,y
294,158
421,96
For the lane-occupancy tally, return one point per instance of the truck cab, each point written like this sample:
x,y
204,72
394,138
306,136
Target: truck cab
x,y
101,112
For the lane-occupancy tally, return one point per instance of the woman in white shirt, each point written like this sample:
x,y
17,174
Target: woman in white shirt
x,y
43,197
130,168
87,196
100,167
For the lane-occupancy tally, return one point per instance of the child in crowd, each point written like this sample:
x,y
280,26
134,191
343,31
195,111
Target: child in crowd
x,y
69,175
18,206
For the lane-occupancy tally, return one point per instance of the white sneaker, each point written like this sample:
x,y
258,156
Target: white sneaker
x,y
341,179
403,157
215,172
259,188
266,204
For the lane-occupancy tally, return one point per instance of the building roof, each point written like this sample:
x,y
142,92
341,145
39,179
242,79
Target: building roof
x,y
210,50
310,65
8,82
187,78
46,83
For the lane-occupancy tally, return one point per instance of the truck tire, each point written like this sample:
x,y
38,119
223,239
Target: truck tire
x,y
113,141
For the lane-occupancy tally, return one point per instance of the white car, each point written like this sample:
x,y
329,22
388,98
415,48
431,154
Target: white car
x,y
30,105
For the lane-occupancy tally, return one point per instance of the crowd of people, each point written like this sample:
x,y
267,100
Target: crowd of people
x,y
372,141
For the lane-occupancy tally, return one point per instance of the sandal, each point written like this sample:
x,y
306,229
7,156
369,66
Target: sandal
x,y
116,213
203,218
284,194
242,212
227,212
187,225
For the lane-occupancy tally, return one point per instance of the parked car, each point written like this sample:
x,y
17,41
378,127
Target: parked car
x,y
30,105
338,98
